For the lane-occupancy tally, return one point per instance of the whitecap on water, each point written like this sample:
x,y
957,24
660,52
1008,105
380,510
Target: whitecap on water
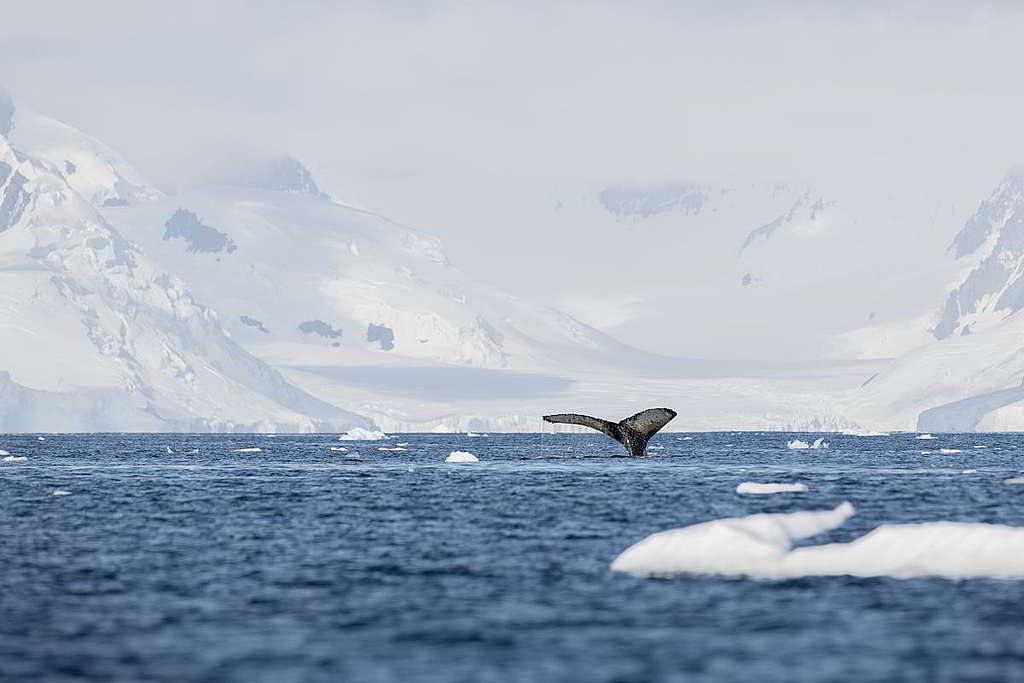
x,y
390,449
461,456
1014,480
60,492
968,471
762,546
248,450
754,487
855,432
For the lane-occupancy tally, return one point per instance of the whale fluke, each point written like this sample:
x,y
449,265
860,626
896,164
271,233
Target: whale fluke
x,y
633,433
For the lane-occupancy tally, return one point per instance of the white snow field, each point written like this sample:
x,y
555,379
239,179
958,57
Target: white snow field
x,y
762,546
461,456
756,488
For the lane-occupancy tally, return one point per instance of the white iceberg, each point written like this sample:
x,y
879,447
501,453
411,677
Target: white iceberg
x,y
797,444
754,487
762,546
248,450
924,436
475,436
61,492
461,456
14,458
360,434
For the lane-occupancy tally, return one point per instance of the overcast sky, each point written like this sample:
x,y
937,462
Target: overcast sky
x,y
445,114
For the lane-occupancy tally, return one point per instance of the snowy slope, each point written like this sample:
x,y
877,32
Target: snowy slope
x,y
290,268
755,268
972,377
93,337
90,167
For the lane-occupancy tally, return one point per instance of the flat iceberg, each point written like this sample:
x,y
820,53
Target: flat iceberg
x,y
754,487
461,456
762,546
360,434
798,444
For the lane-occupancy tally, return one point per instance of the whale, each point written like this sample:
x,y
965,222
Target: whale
x,y
633,432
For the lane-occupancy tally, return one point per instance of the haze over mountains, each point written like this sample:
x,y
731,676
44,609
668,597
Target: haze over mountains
x,y
258,301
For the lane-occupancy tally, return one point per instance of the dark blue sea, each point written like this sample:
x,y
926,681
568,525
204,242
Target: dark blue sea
x,y
295,563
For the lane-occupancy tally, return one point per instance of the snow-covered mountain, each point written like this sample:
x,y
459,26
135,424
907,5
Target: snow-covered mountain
x,y
972,378
804,269
92,335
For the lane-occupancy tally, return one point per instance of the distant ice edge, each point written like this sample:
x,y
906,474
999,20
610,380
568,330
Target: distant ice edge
x,y
761,546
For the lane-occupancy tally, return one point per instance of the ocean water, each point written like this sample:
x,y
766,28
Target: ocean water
x,y
296,564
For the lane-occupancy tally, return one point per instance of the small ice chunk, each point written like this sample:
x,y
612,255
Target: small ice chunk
x,y
983,447
924,436
248,450
14,458
685,438
402,443
3,452
1011,480
754,487
949,451
797,444
194,451
968,471
339,449
40,438
61,492
461,456
360,434
473,435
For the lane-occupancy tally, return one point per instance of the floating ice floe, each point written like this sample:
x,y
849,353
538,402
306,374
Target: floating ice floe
x,y
360,434
60,492
943,451
461,456
14,458
856,432
758,488
248,450
40,438
798,444
339,449
968,471
1011,480
924,436
3,452
762,546
391,449
475,436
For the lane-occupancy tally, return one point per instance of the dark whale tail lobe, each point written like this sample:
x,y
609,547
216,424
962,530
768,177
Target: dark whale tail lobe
x,y
633,433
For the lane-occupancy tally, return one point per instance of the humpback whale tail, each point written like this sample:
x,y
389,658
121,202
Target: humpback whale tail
x,y
633,433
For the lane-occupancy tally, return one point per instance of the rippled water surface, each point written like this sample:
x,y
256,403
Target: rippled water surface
x,y
297,564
